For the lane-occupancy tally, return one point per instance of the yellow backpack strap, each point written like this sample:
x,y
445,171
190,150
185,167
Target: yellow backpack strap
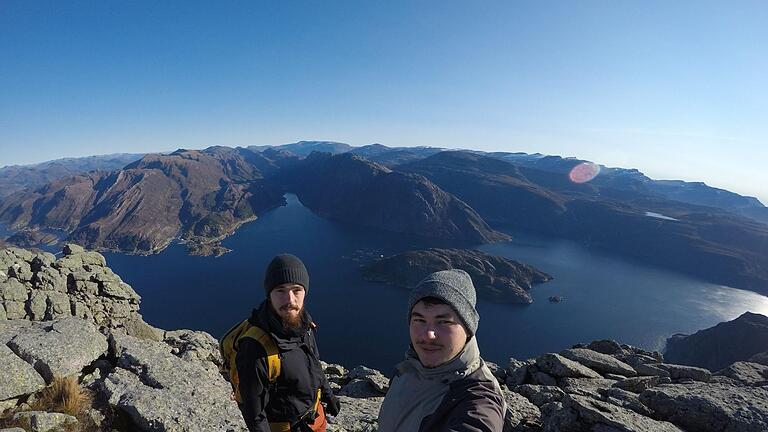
x,y
273,355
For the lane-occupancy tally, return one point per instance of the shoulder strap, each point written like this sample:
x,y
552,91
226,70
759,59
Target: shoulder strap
x,y
266,341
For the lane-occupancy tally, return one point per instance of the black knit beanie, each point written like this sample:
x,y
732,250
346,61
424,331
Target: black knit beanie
x,y
285,268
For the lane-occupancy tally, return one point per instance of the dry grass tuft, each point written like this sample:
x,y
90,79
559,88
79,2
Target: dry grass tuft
x,y
64,395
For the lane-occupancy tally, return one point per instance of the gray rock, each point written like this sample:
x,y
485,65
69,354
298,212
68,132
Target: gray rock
x,y
377,380
521,413
625,399
679,372
638,384
699,406
335,370
41,421
13,290
746,373
13,429
561,367
634,359
159,391
606,346
541,378
598,412
3,316
540,395
586,386
517,372
359,388
36,305
556,417
14,310
356,415
59,348
651,370
602,363
20,270
18,377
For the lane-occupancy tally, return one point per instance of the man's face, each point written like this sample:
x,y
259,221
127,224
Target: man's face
x,y
437,334
288,302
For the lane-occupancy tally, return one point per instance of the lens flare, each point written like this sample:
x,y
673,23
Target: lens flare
x,y
584,172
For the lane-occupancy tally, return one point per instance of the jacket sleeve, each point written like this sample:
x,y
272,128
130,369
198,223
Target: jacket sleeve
x,y
479,412
325,387
254,384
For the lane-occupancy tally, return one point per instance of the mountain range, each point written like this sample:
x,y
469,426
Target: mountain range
x,y
201,196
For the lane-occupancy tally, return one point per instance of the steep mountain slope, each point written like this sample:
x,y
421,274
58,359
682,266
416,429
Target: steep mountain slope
x,y
198,195
351,189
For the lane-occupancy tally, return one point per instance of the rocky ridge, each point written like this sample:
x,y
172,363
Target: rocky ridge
x,y
155,380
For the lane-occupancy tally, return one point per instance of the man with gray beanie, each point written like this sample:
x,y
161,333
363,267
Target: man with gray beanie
x,y
443,384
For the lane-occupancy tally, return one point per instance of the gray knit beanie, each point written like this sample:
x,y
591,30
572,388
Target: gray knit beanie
x,y
453,287
285,268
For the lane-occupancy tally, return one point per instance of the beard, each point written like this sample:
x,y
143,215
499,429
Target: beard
x,y
293,320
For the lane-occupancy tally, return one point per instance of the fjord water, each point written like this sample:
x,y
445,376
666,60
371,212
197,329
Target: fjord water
x,y
365,323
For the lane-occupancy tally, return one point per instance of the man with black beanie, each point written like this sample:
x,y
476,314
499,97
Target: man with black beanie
x,y
281,382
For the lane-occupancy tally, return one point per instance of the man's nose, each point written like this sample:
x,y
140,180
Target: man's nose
x,y
431,334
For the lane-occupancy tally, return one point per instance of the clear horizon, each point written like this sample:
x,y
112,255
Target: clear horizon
x,y
674,89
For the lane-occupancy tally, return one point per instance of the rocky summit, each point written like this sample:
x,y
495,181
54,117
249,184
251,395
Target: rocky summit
x,y
87,327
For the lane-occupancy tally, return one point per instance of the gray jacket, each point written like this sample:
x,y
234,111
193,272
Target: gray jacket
x,y
459,396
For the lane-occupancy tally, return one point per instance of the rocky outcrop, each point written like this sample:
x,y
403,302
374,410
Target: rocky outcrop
x,y
719,346
142,378
36,286
351,189
495,278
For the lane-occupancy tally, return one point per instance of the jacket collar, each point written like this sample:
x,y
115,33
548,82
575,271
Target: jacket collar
x,y
465,362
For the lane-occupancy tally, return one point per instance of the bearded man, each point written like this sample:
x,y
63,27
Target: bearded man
x,y
281,382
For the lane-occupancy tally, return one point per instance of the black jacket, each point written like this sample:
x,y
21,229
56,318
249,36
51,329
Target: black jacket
x,y
295,390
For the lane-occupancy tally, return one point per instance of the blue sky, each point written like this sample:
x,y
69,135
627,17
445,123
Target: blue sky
x,y
676,89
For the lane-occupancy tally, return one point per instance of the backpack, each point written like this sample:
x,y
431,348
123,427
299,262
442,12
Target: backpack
x,y
229,345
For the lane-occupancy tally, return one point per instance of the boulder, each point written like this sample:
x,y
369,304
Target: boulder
x,y
18,377
746,373
561,367
517,372
40,421
521,413
602,363
638,384
699,406
357,415
540,395
606,346
377,380
586,386
159,391
625,399
59,348
651,370
596,412
680,372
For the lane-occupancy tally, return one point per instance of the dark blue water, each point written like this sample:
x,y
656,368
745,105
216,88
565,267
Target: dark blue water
x,y
365,323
